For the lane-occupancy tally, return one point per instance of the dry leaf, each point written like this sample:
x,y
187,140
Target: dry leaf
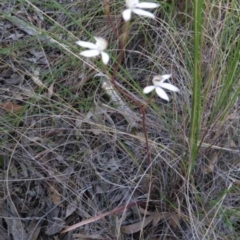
x,y
174,220
11,107
55,196
143,211
50,91
35,78
15,36
37,81
136,227
14,225
83,236
34,228
27,92
211,163
233,116
57,225
70,209
14,79
37,54
156,216
232,144
235,181
100,216
78,123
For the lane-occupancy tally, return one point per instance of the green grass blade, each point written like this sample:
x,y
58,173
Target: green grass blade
x,y
196,97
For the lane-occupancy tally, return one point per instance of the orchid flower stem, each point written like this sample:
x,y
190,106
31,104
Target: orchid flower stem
x,y
118,88
109,19
142,108
149,101
122,47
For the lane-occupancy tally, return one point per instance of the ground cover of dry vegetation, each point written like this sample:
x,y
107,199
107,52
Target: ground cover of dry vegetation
x,y
76,164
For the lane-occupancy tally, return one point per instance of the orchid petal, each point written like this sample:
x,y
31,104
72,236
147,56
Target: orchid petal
x,y
169,86
105,58
90,53
161,78
86,44
131,3
162,94
127,14
143,13
165,77
147,5
101,43
148,89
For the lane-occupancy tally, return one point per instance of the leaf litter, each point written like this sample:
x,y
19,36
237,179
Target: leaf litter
x,y
69,163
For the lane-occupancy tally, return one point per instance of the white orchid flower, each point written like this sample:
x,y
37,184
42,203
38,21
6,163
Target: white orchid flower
x,y
136,7
95,49
159,84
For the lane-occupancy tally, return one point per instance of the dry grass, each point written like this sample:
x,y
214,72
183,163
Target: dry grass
x,y
70,155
